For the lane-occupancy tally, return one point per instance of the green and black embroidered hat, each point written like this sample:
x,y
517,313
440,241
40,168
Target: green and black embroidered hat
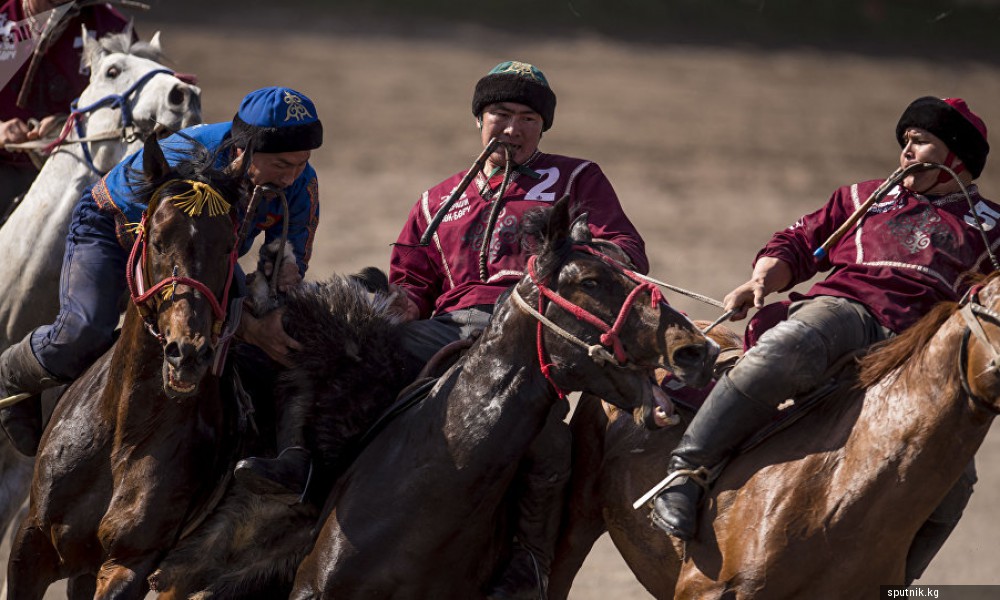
x,y
514,81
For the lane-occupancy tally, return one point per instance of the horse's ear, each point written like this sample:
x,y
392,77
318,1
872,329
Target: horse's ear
x,y
92,50
580,232
154,164
154,43
559,222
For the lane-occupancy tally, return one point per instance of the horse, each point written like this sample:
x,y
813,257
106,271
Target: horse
x,y
421,512
347,374
852,481
129,93
132,453
617,456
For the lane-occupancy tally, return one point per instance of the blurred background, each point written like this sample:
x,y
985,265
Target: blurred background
x,y
718,122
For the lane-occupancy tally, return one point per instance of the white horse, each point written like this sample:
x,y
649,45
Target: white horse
x,y
130,92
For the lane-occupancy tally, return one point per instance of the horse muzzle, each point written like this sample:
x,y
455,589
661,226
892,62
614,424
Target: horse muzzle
x,y
692,363
184,365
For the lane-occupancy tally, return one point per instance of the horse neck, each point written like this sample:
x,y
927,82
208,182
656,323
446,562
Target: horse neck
x,y
500,399
920,418
63,178
137,356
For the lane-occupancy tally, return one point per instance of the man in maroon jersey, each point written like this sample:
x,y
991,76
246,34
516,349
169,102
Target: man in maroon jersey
x,y
449,287
908,253
59,80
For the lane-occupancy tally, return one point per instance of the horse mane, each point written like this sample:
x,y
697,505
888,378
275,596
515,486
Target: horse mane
x,y
539,236
196,163
122,43
885,357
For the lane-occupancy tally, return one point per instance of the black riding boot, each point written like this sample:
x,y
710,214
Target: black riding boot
x,y
935,531
288,474
724,422
526,576
20,372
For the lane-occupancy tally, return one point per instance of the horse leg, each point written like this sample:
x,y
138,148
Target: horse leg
x,y
33,565
118,581
81,587
583,521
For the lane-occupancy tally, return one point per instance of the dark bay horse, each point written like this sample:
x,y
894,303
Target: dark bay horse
x,y
132,451
617,456
828,507
346,376
421,512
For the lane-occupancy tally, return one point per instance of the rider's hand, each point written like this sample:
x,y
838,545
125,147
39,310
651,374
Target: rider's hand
x,y
14,131
402,304
289,276
769,275
47,127
268,334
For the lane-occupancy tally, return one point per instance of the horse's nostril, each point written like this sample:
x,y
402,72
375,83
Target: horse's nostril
x,y
690,355
176,95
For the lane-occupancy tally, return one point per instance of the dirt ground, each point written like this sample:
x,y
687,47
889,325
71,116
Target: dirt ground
x,y
710,149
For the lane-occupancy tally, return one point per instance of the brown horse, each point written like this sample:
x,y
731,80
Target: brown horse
x,y
421,512
133,450
851,483
617,456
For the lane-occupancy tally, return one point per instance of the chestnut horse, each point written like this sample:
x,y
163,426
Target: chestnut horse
x,y
852,481
421,512
133,449
617,456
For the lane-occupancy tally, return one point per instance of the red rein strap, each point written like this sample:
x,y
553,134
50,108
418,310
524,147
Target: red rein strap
x,y
141,297
610,337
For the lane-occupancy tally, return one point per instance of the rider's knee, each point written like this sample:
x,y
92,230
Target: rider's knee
x,y
789,358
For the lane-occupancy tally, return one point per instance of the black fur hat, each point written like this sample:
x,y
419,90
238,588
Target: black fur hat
x,y
951,120
514,81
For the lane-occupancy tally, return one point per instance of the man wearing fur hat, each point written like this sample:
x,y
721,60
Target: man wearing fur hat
x,y
448,288
908,253
275,129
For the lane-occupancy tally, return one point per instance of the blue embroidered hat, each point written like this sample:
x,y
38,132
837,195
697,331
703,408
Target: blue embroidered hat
x,y
278,119
514,81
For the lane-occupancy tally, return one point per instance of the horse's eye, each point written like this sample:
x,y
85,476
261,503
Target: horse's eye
x,y
157,246
589,283
113,72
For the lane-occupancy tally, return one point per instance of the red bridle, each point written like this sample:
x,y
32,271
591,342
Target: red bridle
x,y
142,298
610,337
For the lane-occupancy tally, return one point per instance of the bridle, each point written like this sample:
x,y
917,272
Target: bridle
x,y
127,132
610,350
143,298
972,313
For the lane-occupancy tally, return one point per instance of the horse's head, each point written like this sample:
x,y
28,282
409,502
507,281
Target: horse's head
x,y
181,265
619,327
131,91
979,354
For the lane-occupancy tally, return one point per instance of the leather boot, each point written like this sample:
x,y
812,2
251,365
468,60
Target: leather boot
x,y
20,372
526,576
725,421
288,474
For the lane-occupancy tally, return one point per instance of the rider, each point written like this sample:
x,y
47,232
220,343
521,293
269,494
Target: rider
x,y
909,253
60,79
275,128
448,288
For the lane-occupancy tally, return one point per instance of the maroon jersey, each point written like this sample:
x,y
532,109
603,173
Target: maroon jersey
x,y
60,77
908,252
444,276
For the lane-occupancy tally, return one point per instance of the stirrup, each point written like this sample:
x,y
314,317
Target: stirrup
x,y
699,475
